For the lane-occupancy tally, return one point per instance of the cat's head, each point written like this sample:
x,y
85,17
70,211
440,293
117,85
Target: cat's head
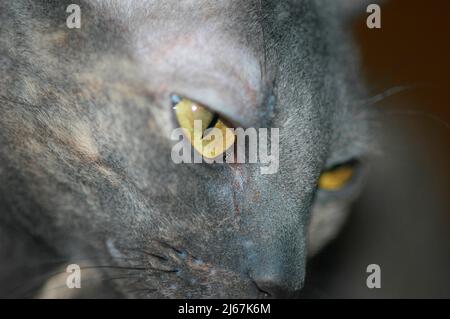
x,y
87,117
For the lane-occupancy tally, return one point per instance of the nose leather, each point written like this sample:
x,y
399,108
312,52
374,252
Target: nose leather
x,y
274,286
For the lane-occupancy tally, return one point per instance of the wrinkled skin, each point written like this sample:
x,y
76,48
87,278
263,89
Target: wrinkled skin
x,y
85,122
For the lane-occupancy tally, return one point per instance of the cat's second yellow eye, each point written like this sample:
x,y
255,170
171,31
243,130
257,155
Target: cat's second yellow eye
x,y
336,178
197,122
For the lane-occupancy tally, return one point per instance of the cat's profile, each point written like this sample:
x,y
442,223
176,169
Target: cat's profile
x,y
86,116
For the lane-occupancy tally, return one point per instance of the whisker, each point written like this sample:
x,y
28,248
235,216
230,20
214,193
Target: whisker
x,y
29,291
167,245
388,93
163,258
17,102
40,279
87,283
115,267
142,251
418,113
376,118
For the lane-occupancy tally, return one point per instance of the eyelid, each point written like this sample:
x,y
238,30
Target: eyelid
x,y
343,156
230,105
353,162
176,98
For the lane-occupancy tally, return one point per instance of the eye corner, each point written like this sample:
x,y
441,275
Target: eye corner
x,y
175,99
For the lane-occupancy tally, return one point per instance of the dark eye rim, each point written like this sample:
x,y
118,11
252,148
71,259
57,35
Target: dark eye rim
x,y
354,163
176,98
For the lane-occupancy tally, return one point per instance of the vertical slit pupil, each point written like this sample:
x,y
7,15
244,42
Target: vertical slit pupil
x,y
214,121
211,124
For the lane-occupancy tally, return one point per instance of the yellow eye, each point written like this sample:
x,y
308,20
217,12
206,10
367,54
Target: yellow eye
x,y
336,178
208,134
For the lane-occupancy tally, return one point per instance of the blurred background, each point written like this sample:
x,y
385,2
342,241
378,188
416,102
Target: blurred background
x,y
402,221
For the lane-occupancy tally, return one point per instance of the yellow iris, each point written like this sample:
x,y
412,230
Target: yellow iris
x,y
336,178
208,134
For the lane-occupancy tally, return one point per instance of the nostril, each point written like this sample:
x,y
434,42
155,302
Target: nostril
x,y
270,288
262,291
273,287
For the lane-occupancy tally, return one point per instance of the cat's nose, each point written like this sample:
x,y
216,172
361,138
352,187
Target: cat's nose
x,y
273,235
273,287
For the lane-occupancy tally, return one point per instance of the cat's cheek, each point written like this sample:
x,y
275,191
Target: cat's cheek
x,y
326,221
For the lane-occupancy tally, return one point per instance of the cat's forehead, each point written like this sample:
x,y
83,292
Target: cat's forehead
x,y
238,17
211,51
191,11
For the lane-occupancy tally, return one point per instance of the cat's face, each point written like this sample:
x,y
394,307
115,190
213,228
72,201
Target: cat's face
x,y
91,138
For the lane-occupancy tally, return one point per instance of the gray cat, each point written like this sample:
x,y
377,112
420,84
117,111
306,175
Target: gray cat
x,y
86,175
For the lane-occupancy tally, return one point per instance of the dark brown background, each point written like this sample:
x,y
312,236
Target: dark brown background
x,y
402,221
